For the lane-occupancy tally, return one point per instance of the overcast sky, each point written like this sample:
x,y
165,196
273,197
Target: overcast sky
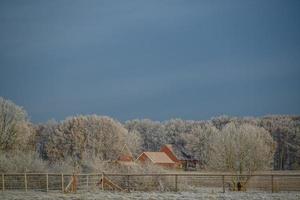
x,y
150,59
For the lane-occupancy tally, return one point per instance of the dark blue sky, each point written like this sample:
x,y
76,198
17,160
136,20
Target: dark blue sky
x,y
151,59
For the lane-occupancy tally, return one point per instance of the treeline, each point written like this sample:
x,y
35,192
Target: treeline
x,y
85,140
284,129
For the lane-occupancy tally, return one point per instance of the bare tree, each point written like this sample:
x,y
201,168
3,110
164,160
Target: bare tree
x,y
241,149
86,137
14,127
286,132
134,142
198,141
152,133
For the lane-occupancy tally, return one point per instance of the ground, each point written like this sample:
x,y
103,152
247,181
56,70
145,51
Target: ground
x,y
209,195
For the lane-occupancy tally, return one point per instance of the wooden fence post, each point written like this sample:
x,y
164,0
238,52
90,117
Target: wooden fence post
x,y
176,181
62,183
223,183
128,188
102,182
25,181
47,182
87,182
3,184
272,182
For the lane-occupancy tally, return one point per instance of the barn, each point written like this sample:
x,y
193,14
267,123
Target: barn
x,y
180,156
156,158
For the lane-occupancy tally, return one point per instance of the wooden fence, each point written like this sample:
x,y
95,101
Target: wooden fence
x,y
145,182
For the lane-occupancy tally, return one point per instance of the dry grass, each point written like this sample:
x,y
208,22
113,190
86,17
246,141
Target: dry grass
x,y
209,194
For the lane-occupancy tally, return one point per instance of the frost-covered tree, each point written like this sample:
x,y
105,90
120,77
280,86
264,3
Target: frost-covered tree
x,y
241,149
286,132
198,141
42,136
174,128
85,137
15,130
152,133
134,142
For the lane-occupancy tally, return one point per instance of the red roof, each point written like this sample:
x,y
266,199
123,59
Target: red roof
x,y
158,157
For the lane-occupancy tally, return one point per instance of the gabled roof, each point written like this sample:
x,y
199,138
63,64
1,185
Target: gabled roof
x,y
125,154
180,152
126,151
158,157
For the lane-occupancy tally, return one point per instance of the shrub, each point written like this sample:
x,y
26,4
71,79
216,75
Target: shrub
x,y
18,161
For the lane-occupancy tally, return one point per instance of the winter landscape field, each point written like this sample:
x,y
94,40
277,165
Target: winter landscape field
x,y
201,195
153,100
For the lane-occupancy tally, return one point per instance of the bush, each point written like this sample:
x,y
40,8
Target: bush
x,y
18,161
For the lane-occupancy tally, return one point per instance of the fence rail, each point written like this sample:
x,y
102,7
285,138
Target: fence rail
x,y
146,182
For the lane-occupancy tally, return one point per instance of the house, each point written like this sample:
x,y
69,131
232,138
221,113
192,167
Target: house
x,y
180,156
157,158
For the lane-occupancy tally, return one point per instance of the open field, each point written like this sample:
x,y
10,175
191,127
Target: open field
x,y
201,194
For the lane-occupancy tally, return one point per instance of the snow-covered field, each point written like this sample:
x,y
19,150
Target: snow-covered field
x,y
14,195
